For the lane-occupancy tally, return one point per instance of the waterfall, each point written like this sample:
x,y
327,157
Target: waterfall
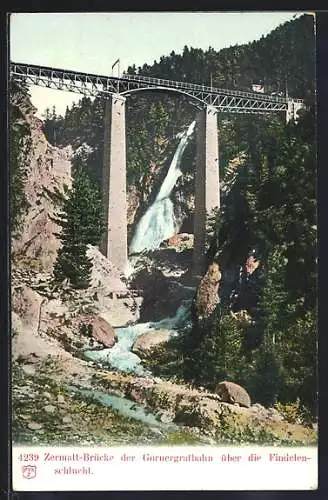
x,y
158,223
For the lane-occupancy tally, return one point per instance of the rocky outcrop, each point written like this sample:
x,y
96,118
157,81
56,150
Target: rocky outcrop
x,y
105,275
205,410
145,343
48,174
34,250
26,305
39,308
207,296
155,286
233,393
161,293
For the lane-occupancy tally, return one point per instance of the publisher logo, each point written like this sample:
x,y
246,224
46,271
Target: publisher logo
x,y
29,471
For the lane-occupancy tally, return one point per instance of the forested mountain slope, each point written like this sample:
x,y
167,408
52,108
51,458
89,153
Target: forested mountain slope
x,y
271,206
284,57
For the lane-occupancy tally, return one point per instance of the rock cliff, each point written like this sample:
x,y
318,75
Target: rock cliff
x,y
48,171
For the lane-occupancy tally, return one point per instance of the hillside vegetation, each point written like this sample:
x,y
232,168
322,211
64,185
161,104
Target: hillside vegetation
x,y
286,55
271,207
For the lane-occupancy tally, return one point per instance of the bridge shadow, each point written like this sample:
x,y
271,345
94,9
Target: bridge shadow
x,y
166,283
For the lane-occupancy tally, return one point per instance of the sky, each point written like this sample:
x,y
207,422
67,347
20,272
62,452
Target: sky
x,y
92,42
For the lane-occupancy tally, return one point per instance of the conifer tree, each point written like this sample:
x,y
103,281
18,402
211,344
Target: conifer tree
x,y
213,350
82,224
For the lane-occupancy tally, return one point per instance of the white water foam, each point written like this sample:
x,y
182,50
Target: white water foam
x,y
120,357
158,223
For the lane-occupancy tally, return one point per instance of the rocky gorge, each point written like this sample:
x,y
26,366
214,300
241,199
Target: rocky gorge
x,y
64,394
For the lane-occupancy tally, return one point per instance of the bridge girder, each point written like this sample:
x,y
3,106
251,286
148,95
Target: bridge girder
x,y
224,100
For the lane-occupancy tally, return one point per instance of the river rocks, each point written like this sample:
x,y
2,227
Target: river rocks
x,y
100,329
173,241
146,342
233,393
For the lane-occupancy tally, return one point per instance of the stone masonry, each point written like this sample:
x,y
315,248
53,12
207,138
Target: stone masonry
x,y
207,189
114,243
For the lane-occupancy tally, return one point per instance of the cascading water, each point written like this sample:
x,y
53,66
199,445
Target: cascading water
x,y
120,357
122,405
158,223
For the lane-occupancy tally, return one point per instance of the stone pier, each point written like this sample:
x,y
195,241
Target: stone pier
x,y
114,242
207,186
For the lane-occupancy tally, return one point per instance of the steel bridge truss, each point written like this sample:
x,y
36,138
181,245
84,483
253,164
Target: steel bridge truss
x,y
224,100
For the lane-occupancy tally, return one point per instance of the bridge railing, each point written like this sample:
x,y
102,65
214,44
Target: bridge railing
x,y
203,88
111,82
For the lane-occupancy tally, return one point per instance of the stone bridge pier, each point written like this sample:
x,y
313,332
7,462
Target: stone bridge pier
x,y
207,183
114,243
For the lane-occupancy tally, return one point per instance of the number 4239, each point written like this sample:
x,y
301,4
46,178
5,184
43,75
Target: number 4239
x,y
28,457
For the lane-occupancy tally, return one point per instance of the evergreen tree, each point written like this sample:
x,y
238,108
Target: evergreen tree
x,y
213,350
273,204
266,381
82,224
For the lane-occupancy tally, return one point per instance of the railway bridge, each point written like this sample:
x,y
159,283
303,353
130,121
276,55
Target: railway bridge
x,y
209,101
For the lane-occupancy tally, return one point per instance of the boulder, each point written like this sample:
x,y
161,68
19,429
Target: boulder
x,y
28,370
101,330
145,343
207,296
174,241
233,393
181,241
